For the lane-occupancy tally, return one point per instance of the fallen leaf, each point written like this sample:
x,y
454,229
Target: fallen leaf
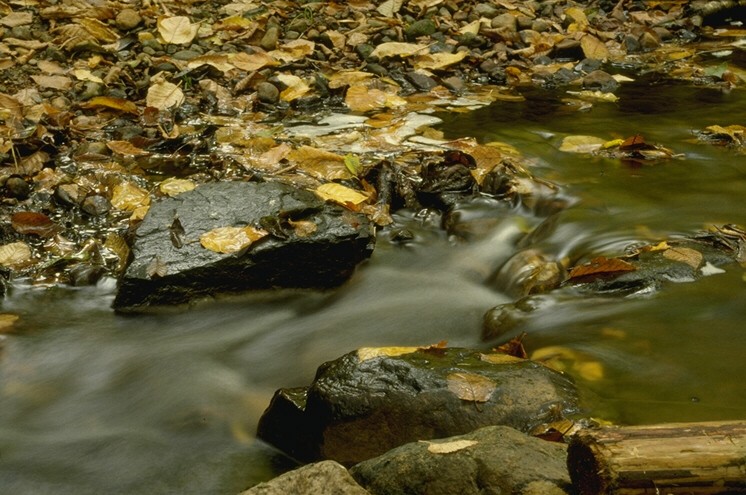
x,y
128,197
514,347
564,359
296,87
594,48
471,386
691,257
320,163
578,17
397,49
389,7
53,82
601,266
448,447
352,162
111,102
31,222
500,358
15,254
348,78
173,186
366,353
362,99
15,19
86,75
98,30
164,95
340,194
229,240
177,30
7,321
581,144
435,61
293,50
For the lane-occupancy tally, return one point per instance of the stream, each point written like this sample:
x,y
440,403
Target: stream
x,y
92,402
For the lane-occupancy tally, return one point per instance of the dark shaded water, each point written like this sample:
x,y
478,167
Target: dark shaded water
x,y
91,402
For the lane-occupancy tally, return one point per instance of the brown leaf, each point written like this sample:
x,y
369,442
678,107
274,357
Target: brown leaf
x,y
111,102
125,148
360,98
398,49
303,228
229,240
471,386
691,257
320,163
15,19
29,222
594,48
514,347
252,61
98,30
601,266
127,196
177,30
53,82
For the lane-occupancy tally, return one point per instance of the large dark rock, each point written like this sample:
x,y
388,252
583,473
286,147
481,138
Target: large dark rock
x,y
170,266
374,399
491,460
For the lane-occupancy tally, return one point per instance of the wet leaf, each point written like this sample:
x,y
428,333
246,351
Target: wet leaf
x,y
30,222
435,61
177,30
636,142
564,359
581,144
362,99
514,347
578,17
710,269
111,102
173,186
500,358
296,87
595,95
471,386
15,254
319,163
352,162
125,148
53,82
164,95
117,245
7,321
128,197
340,194
594,48
601,266
448,447
347,78
229,240
691,257
366,353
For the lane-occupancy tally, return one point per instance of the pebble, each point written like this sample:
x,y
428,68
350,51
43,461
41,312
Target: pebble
x,y
421,81
505,21
269,40
454,83
267,92
96,205
128,19
17,187
423,27
601,81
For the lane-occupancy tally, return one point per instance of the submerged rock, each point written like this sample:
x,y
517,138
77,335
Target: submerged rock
x,y
374,399
495,459
310,244
321,478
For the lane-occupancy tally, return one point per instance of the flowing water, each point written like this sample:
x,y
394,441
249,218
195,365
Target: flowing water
x,y
92,402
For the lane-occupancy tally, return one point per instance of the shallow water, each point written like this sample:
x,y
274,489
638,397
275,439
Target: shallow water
x,y
92,402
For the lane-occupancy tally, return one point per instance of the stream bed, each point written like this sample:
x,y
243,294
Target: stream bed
x,y
92,402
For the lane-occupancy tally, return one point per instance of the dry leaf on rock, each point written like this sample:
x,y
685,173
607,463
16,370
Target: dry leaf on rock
x,y
398,49
86,75
53,82
691,257
296,87
15,254
229,240
348,78
15,19
389,7
164,95
173,186
177,30
366,353
448,447
340,194
220,62
601,266
100,31
127,196
471,386
594,48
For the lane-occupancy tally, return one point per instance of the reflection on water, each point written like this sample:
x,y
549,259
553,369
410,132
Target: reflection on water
x,y
91,402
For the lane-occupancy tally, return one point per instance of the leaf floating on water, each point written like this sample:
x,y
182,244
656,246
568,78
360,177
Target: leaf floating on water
x,y
448,447
177,30
691,257
710,269
601,266
229,240
366,353
340,194
564,359
30,222
15,254
471,386
7,321
581,144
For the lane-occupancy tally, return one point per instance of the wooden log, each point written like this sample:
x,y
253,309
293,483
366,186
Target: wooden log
x,y
675,458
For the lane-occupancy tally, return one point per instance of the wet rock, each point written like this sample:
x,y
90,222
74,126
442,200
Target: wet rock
x,y
128,19
454,83
321,478
445,182
568,48
421,81
17,187
505,22
495,459
372,400
170,265
267,92
96,205
599,80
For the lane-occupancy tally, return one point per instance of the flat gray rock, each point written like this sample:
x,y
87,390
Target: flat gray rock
x,y
321,478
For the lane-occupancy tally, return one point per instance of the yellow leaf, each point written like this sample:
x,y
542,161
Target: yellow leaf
x,y
303,228
587,94
111,102
86,75
341,79
614,143
592,371
500,358
220,62
293,50
435,61
661,246
251,61
127,196
594,48
581,144
229,240
471,28
578,17
15,254
448,447
98,30
15,19
164,95
7,321
366,353
296,87
471,386
320,163
177,30
53,82
173,186
691,257
398,49
340,194
389,7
